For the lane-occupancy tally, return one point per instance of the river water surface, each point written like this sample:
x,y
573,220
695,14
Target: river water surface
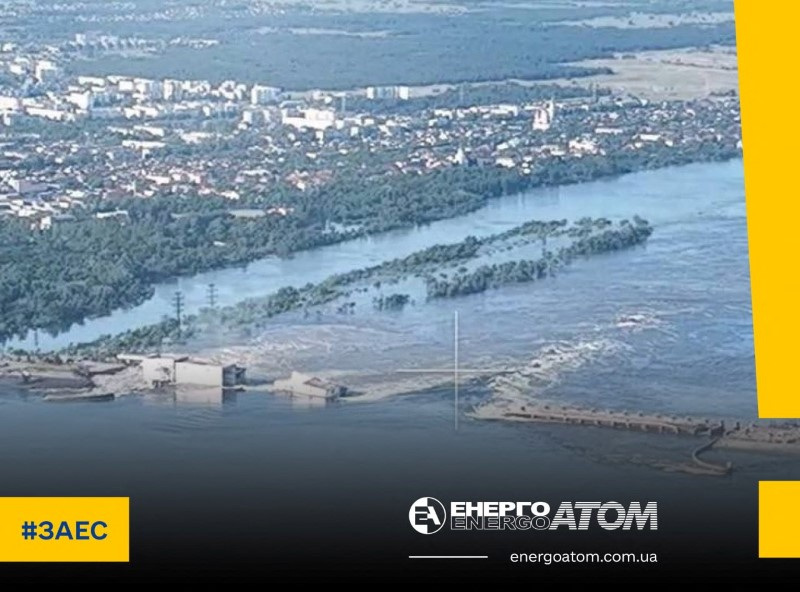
x,y
665,327
693,193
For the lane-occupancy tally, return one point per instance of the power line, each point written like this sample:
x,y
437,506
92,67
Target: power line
x,y
177,301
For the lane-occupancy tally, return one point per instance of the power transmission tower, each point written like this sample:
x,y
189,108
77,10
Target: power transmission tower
x,y
212,295
177,301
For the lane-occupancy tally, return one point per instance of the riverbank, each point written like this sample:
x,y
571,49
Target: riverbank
x,y
444,272
557,173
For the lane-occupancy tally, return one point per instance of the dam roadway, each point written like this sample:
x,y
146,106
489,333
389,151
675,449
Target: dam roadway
x,y
611,419
764,437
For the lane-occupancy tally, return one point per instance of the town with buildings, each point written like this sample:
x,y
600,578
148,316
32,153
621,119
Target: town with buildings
x,y
74,146
78,145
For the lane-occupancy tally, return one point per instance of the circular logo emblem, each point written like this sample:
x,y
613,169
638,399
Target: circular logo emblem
x,y
427,515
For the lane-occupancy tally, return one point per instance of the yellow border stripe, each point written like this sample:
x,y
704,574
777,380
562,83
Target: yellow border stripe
x,y
767,41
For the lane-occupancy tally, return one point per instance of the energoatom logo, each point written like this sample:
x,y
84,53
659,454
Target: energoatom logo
x,y
427,515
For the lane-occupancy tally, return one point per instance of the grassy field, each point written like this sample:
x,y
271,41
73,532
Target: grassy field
x,y
670,74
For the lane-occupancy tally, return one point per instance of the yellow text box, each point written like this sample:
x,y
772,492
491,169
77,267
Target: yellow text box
x,y
64,528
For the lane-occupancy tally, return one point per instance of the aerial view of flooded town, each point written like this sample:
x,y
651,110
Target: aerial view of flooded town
x,y
332,230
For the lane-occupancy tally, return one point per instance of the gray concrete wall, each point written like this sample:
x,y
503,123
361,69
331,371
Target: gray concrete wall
x,y
199,374
158,370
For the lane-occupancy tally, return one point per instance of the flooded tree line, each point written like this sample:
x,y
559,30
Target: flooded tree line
x,y
444,271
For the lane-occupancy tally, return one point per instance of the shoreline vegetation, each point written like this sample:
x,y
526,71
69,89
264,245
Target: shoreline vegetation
x,y
588,243
584,238
45,286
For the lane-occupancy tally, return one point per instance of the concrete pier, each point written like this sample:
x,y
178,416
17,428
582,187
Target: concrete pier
x,y
609,419
765,437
